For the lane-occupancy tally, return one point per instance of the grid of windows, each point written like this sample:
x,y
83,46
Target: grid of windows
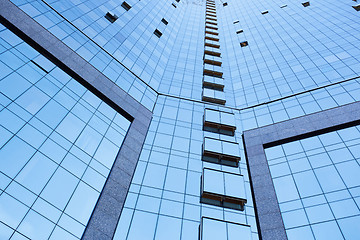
x,y
164,196
91,45
296,60
302,104
290,50
58,143
285,54
317,185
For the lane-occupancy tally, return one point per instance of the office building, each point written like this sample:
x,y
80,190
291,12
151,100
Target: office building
x,y
184,119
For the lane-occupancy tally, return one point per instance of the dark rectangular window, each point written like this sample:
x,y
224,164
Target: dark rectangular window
x,y
157,33
357,7
225,4
264,12
177,0
237,21
164,21
126,6
173,5
239,31
111,17
244,44
306,4
283,6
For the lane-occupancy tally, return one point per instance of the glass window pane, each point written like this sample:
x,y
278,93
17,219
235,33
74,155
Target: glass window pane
x,y
214,181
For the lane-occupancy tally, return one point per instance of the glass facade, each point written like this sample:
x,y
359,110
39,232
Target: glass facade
x,y
317,185
58,143
164,197
264,62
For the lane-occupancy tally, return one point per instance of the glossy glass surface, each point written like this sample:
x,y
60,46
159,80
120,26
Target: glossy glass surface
x,y
219,230
166,184
292,56
317,184
58,143
221,147
214,94
219,117
89,17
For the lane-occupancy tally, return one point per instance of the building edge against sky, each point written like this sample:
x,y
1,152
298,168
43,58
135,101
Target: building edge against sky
x,y
125,120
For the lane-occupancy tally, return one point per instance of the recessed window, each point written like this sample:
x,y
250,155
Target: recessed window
x,y
235,22
173,5
225,4
126,6
306,4
177,0
239,31
213,83
164,21
211,59
211,19
157,33
282,6
212,38
223,229
210,22
265,12
211,15
211,32
212,70
221,152
357,7
211,27
111,17
244,44
213,96
223,189
213,62
211,11
220,122
212,44
212,51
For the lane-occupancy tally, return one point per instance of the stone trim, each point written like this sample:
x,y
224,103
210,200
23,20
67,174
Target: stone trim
x,y
104,219
269,220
